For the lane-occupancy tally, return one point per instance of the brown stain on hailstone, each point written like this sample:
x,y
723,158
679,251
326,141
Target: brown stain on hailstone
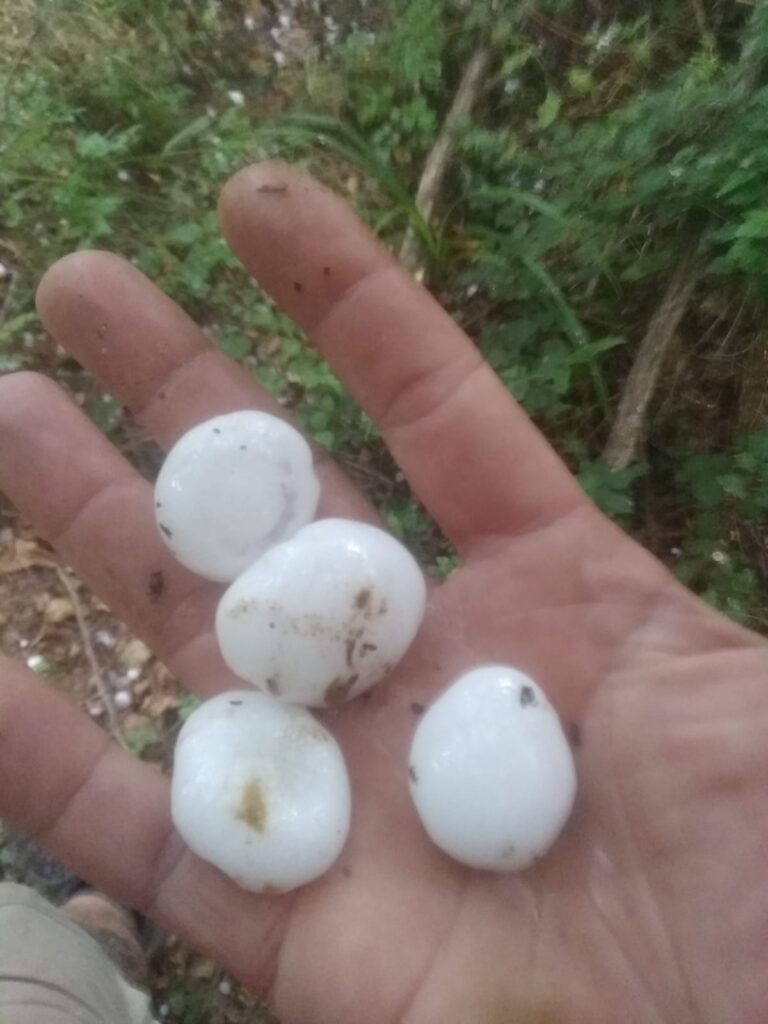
x,y
338,690
252,808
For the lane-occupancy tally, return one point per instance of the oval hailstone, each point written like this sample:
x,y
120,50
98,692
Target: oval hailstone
x,y
260,789
230,488
323,616
491,771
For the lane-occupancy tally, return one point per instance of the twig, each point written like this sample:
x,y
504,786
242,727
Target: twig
x,y
629,425
556,28
752,399
701,22
436,165
5,306
97,680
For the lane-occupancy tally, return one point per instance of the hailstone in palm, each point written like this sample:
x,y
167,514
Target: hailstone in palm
x,y
230,488
323,616
491,771
260,789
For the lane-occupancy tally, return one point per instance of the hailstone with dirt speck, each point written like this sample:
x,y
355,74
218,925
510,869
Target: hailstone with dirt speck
x,y
260,789
323,616
491,771
230,488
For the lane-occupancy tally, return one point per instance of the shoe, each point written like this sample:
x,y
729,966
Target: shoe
x,y
114,928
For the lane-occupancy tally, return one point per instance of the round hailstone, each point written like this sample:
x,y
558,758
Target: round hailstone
x,y
491,771
323,616
260,789
232,487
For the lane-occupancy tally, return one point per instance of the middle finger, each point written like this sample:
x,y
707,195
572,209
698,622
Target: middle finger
x,y
155,360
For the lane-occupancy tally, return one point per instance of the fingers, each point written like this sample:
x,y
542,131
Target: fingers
x,y
106,815
65,477
154,359
470,453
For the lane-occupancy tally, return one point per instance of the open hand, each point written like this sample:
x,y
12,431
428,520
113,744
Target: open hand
x,y
653,905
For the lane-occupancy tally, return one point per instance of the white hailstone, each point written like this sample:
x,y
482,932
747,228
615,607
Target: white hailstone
x,y
491,771
260,790
232,487
123,699
323,616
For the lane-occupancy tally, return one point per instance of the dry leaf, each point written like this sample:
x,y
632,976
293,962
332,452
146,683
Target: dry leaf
x,y
58,609
25,554
134,654
158,704
202,968
142,687
134,722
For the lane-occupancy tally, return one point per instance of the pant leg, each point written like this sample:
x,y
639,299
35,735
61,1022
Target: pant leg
x,y
52,972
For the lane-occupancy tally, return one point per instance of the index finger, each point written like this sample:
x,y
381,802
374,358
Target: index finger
x,y
469,451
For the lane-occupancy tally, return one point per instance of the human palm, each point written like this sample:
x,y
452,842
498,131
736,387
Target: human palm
x,y
653,905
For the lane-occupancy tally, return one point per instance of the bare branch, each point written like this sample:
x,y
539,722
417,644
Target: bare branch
x,y
433,175
702,23
629,424
97,680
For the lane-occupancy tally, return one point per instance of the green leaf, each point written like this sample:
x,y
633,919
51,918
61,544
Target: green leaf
x,y
234,343
189,703
190,131
549,109
581,81
588,352
105,412
516,60
12,327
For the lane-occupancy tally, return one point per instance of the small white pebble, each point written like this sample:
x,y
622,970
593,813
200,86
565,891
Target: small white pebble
x,y
232,487
491,771
260,789
132,674
104,638
249,23
225,987
36,662
323,616
279,58
123,699
236,97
